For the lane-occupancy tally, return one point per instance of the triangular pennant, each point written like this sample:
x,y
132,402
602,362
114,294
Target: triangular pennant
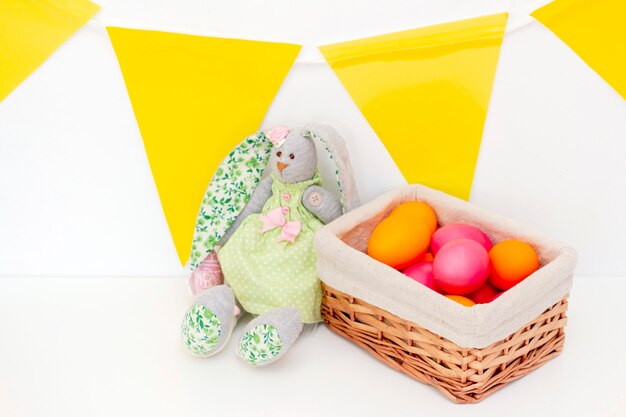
x,y
426,92
30,31
595,30
194,98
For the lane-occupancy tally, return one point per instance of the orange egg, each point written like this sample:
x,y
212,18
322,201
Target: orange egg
x,y
419,212
461,300
511,262
398,242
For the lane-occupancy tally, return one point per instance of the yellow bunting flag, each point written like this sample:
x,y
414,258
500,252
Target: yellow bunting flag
x,y
595,30
426,92
30,31
195,98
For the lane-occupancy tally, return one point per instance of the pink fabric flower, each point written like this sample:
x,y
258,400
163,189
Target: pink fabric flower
x,y
207,275
277,135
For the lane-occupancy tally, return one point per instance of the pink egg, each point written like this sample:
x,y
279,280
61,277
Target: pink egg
x,y
422,272
461,266
451,232
484,294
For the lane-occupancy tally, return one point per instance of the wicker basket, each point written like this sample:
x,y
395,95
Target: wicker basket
x,y
463,375
354,307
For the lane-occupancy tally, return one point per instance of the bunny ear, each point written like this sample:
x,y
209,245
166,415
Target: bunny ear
x,y
338,151
228,193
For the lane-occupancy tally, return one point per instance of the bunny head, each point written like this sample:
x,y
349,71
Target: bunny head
x,y
293,157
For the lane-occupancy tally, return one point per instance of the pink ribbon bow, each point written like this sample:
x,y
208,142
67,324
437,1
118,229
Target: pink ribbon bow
x,y
276,218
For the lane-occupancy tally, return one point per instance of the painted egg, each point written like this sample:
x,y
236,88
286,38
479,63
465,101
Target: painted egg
x,y
419,212
511,262
455,231
461,300
422,272
461,266
398,242
485,294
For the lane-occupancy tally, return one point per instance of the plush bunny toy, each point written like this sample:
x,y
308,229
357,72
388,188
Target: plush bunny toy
x,y
264,241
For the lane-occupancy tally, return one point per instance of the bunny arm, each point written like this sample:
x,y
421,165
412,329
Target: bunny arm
x,y
322,203
259,197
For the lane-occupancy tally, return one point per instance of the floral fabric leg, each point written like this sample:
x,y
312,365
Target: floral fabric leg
x,y
269,336
209,322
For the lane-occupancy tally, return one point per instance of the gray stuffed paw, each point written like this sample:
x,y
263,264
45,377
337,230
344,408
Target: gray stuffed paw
x,y
322,203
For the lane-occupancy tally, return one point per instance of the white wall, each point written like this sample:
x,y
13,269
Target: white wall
x,y
77,196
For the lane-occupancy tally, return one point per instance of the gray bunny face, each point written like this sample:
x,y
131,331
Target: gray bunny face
x,y
296,159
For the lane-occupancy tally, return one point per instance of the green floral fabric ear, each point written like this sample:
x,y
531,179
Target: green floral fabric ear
x,y
228,193
336,148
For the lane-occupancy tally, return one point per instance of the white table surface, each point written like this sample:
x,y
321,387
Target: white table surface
x,y
110,347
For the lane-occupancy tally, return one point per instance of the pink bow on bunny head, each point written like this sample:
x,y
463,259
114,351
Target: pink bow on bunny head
x,y
277,135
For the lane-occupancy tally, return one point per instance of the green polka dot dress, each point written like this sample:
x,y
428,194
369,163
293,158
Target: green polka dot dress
x,y
266,273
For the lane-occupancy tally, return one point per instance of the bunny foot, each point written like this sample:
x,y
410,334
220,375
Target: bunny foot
x,y
209,322
268,337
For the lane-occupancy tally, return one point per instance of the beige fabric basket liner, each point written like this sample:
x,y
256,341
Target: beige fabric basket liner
x,y
343,264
